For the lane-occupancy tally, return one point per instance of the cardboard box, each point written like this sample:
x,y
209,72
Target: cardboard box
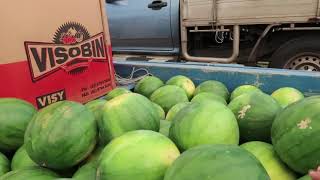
x,y
55,50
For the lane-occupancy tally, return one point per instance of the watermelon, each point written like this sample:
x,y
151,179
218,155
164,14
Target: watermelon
x,y
61,135
160,111
4,164
164,127
22,160
265,153
116,92
206,96
306,177
14,119
128,112
216,162
34,173
168,96
175,109
183,82
94,156
89,168
86,172
204,123
96,107
137,155
243,89
287,95
148,85
255,112
215,87
296,134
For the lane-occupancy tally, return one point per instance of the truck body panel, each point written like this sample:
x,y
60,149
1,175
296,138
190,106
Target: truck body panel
x,y
228,12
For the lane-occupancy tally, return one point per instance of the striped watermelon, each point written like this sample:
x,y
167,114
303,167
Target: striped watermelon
x,y
255,113
295,135
175,109
183,82
128,112
137,155
61,135
204,123
265,153
22,160
15,114
168,96
116,92
34,173
215,87
148,85
216,162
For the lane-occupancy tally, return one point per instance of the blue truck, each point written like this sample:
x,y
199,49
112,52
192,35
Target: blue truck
x,y
282,34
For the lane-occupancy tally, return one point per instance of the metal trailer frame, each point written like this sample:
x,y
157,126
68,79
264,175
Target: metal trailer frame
x,y
232,75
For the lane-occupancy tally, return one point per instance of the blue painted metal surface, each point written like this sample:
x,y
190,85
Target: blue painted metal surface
x,y
232,76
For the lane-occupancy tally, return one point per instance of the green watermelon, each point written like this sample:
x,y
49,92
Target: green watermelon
x,y
127,113
296,134
204,123
96,107
265,153
22,160
164,127
306,177
4,164
175,109
161,112
148,85
14,119
34,173
94,156
286,96
116,92
183,82
137,155
205,96
215,87
216,162
255,112
86,172
243,89
61,135
168,96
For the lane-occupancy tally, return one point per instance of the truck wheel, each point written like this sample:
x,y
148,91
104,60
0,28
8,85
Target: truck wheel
x,y
298,54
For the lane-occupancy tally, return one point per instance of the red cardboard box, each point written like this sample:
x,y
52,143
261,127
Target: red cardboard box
x,y
55,50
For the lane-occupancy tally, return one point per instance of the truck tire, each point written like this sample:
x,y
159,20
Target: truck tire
x,y
302,53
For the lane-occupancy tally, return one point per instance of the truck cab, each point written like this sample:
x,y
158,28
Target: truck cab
x,y
144,26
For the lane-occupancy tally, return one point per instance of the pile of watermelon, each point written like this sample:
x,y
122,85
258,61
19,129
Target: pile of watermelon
x,y
171,130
